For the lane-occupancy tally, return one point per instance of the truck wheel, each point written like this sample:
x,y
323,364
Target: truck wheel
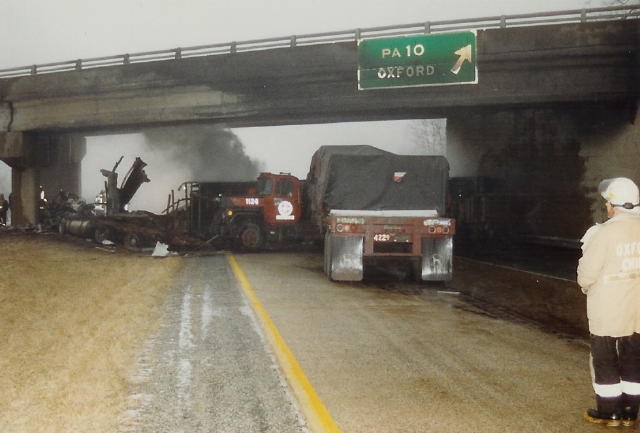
x,y
132,241
101,234
250,237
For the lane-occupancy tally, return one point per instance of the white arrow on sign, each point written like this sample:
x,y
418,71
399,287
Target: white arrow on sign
x,y
463,54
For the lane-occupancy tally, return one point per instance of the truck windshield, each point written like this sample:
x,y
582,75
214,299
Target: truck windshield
x,y
285,188
265,186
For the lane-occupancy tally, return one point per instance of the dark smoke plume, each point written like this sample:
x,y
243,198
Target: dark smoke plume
x,y
173,155
209,153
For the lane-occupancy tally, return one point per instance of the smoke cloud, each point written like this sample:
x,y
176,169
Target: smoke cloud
x,y
173,155
209,153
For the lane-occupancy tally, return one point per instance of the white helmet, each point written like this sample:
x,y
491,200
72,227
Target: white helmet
x,y
620,192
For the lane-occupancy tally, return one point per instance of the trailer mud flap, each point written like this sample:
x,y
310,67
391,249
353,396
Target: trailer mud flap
x,y
437,259
343,257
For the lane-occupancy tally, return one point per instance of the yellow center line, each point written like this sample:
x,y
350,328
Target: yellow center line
x,y
318,417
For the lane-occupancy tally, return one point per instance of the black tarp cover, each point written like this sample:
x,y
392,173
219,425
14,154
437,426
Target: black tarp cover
x,y
368,178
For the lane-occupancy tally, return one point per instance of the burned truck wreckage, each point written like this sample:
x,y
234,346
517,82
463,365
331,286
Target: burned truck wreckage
x,y
108,220
365,205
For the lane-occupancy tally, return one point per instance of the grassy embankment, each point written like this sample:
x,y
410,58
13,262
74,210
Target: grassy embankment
x,y
72,321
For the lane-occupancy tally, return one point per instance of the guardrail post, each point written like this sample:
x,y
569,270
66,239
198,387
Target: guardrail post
x,y
34,69
358,34
427,27
79,65
233,48
583,16
178,52
503,22
125,59
293,41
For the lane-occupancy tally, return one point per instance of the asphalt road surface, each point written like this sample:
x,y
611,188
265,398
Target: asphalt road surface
x,y
383,357
209,368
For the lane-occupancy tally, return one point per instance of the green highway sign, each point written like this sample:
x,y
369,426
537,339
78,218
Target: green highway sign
x,y
429,60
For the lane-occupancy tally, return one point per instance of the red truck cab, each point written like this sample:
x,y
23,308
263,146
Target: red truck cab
x,y
270,211
281,199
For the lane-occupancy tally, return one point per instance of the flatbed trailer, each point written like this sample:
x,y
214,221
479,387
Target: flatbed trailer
x,y
355,238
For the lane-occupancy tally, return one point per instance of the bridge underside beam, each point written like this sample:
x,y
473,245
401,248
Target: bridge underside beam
x,y
522,66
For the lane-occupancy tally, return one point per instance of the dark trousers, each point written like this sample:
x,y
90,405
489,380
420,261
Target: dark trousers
x,y
616,371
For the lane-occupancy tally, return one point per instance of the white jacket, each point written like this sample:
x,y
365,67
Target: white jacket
x,y
609,274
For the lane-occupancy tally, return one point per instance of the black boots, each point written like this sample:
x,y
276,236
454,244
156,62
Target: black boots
x,y
630,405
614,411
627,419
608,420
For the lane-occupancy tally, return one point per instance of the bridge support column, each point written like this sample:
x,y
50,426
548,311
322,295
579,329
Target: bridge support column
x,y
539,168
50,161
24,196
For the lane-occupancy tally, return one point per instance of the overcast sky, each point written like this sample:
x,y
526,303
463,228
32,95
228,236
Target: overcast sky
x,y
42,31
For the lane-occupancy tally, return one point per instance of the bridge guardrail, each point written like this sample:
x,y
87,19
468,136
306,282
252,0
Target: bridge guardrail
x,y
498,21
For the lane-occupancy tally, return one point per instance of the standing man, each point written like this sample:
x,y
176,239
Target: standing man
x,y
609,274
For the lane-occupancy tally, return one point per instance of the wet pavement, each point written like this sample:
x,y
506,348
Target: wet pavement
x,y
400,357
385,356
209,369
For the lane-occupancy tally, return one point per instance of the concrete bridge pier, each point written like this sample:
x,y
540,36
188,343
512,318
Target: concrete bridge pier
x,y
46,161
540,167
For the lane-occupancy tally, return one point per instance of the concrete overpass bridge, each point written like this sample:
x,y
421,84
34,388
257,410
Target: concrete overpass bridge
x,y
554,108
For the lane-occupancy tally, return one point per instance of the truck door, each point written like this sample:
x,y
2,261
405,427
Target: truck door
x,y
285,208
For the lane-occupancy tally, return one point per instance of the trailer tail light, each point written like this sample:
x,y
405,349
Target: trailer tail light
x,y
438,226
438,230
346,228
